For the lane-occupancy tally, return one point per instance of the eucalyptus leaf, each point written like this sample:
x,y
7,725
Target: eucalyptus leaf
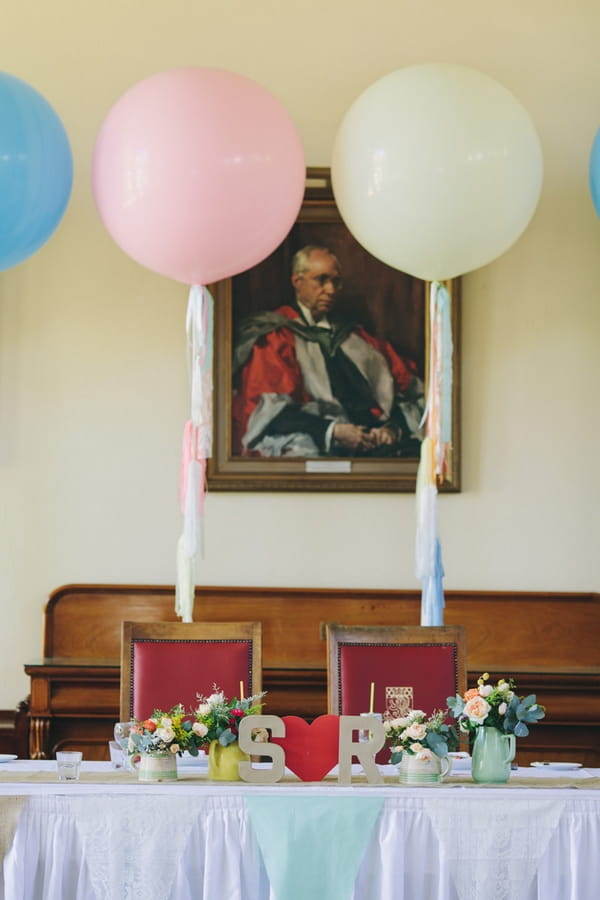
x,y
437,744
227,737
521,729
524,705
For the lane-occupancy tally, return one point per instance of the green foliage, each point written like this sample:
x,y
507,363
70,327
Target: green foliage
x,y
218,718
415,733
171,731
495,706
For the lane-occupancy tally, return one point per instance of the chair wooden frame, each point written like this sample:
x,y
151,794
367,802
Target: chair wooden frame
x,y
186,631
339,635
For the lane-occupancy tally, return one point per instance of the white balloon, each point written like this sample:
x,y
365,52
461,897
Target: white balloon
x,y
436,170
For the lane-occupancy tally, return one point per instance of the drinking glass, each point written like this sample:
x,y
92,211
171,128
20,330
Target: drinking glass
x,y
67,764
122,731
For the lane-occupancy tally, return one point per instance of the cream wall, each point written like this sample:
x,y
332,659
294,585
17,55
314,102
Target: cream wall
x,y
93,385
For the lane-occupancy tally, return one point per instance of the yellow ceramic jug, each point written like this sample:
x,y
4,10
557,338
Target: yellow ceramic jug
x,y
223,761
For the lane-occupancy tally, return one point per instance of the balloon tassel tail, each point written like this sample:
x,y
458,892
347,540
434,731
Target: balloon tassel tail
x,y
196,447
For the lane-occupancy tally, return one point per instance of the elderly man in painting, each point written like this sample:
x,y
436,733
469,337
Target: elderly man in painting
x,y
310,383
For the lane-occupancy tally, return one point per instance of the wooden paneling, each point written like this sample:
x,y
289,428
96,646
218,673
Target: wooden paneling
x,y
549,642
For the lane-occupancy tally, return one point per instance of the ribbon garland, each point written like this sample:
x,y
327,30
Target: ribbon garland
x,y
196,446
435,458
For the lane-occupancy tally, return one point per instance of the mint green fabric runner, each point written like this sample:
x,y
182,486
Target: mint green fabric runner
x,y
313,846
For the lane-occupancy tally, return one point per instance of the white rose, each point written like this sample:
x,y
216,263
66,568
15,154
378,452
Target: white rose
x,y
216,699
174,748
387,725
417,747
425,754
165,734
417,731
166,722
503,687
502,708
485,690
204,709
200,729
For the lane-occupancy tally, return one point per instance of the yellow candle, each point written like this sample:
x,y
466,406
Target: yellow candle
x,y
372,700
241,690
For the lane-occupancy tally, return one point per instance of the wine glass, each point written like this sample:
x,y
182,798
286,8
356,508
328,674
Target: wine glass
x,y
122,731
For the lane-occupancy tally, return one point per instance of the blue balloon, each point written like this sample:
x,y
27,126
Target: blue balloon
x,y
595,172
36,170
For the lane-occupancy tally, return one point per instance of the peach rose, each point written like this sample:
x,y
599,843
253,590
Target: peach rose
x,y
472,692
425,754
476,709
416,731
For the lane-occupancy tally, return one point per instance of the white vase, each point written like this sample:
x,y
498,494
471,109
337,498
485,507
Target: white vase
x,y
156,766
425,768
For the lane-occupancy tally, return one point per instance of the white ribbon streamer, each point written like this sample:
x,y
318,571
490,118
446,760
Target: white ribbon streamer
x,y
197,446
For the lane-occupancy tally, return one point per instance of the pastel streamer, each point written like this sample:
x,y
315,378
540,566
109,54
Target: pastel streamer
x,y
429,568
196,446
313,846
438,410
435,456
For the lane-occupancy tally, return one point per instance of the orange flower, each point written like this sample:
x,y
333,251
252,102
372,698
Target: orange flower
x,y
149,725
472,692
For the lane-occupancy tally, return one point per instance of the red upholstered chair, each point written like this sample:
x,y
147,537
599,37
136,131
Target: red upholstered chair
x,y
412,667
164,663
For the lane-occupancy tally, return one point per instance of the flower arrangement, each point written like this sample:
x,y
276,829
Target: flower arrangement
x,y
173,731
419,736
217,718
495,706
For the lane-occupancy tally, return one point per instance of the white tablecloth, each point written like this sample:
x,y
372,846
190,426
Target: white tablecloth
x,y
194,840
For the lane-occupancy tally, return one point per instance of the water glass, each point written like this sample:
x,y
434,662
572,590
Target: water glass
x,y
122,732
67,763
365,734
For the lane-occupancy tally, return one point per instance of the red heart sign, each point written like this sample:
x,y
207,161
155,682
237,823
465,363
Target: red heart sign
x,y
311,751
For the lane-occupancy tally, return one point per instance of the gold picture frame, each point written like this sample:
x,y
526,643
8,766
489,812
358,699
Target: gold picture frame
x,y
391,304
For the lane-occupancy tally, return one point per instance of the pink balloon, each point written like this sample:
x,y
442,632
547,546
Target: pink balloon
x,y
198,173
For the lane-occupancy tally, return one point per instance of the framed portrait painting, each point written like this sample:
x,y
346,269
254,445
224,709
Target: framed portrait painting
x,y
297,410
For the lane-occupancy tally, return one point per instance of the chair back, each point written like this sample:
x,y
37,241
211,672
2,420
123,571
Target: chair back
x,y
164,663
412,667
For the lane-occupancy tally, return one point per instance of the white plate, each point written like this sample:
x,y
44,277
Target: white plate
x,y
556,765
7,757
461,762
